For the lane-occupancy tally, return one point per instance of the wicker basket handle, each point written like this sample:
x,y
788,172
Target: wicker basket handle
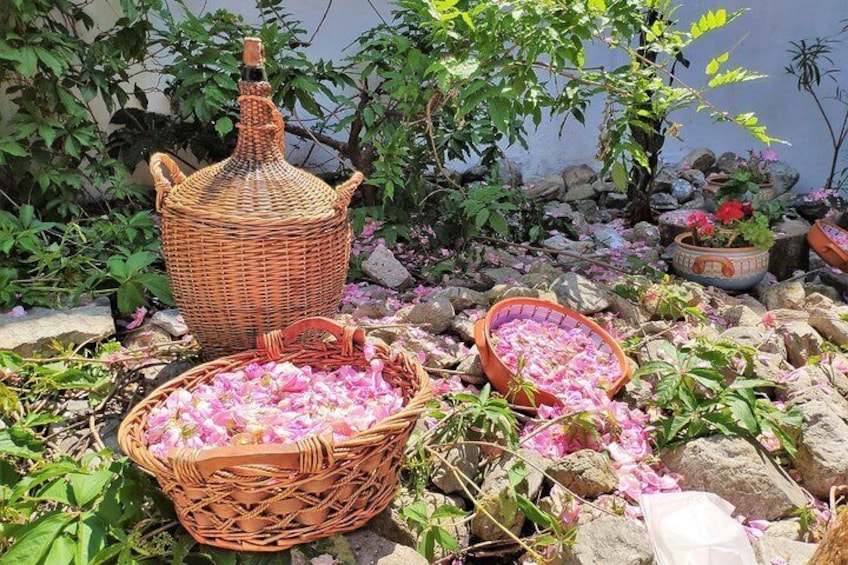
x,y
276,342
345,191
279,124
162,184
306,456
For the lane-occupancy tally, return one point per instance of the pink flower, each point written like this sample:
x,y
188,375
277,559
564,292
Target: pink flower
x,y
769,320
138,318
17,312
769,155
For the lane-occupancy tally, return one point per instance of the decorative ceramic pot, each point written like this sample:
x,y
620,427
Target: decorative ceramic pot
x,y
731,268
830,242
716,180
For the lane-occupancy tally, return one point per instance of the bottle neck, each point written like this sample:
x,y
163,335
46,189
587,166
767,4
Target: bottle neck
x,y
259,138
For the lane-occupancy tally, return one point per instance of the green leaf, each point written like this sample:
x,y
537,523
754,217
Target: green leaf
x,y
481,218
416,512
158,285
139,260
130,297
499,110
20,443
91,538
447,511
86,487
35,540
27,61
224,126
741,410
498,223
619,176
445,539
714,65
534,513
61,552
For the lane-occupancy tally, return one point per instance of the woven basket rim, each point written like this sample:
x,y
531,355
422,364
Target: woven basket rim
x,y
129,434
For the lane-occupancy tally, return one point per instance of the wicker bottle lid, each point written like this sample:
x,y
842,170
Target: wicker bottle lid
x,y
255,183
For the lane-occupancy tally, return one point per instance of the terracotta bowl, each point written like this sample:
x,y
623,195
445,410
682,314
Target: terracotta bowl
x,y
735,268
541,310
822,238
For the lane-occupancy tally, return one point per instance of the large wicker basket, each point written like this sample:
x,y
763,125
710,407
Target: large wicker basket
x,y
252,244
271,497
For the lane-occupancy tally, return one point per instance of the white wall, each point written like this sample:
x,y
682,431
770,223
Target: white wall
x,y
757,41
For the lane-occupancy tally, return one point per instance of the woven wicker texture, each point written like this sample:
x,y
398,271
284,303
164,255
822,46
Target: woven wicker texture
x,y
542,311
252,243
271,497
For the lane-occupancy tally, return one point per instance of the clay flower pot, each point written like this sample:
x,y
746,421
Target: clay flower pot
x,y
830,242
716,180
731,268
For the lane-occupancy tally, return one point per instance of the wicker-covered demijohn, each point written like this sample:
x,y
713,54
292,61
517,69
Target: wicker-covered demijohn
x,y
273,496
252,243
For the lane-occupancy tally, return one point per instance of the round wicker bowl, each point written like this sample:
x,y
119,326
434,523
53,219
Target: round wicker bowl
x,y
821,239
541,310
273,496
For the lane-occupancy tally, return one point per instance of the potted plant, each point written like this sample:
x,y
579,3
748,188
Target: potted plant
x,y
748,180
729,249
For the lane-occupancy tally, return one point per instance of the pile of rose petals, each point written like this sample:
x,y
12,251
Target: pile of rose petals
x,y
550,356
272,403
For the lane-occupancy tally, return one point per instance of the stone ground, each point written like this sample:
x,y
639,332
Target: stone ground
x,y
797,328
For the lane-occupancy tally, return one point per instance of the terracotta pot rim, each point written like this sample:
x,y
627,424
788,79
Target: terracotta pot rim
x,y
721,250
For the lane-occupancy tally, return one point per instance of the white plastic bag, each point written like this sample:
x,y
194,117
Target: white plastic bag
x,y
695,528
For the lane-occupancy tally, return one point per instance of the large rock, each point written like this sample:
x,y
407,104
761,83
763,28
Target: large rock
x,y
701,158
802,342
465,458
434,315
755,338
822,451
682,190
500,275
581,294
694,176
546,189
578,174
727,161
829,324
463,298
742,315
737,471
790,251
40,327
789,295
586,473
580,192
391,525
772,550
384,269
609,540
171,321
663,202
493,497
784,176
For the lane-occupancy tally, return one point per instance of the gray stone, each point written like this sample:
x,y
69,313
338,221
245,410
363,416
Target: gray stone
x,y
370,549
615,200
822,451
694,176
520,292
146,336
579,192
384,269
171,321
581,294
788,528
492,497
697,202
755,338
682,190
784,176
604,186
802,342
509,173
546,189
40,327
500,275
609,236
558,210
586,473
463,327
768,549
157,375
829,324
820,296
701,158
471,369
645,232
789,295
662,202
574,175
391,525
737,471
463,298
465,458
726,162
627,310
609,540
741,315
664,178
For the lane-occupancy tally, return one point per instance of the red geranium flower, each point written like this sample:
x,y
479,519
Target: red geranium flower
x,y
699,222
730,211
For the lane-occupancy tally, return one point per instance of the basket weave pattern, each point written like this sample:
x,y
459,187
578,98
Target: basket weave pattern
x,y
252,243
271,497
